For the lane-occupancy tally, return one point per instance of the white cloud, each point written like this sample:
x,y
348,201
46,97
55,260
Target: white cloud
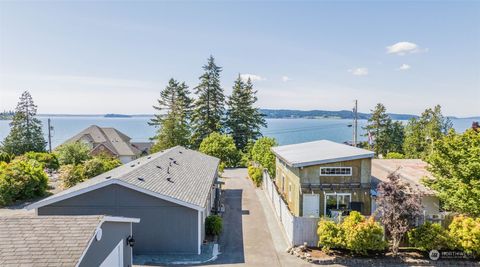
x,y
404,67
252,77
359,71
403,48
286,79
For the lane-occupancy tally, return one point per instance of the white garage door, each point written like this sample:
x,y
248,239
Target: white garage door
x,y
115,258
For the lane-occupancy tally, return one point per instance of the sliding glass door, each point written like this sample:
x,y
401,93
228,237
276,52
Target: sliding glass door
x,y
336,203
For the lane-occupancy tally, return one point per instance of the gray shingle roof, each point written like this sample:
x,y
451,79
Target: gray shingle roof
x,y
113,139
319,152
45,240
191,176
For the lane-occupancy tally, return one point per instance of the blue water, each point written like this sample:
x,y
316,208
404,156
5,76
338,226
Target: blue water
x,y
286,131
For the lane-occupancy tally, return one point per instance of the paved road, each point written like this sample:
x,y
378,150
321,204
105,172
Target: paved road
x,y
251,233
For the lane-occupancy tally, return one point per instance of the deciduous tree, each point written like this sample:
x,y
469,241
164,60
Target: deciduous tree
x,y
398,208
262,154
421,133
455,164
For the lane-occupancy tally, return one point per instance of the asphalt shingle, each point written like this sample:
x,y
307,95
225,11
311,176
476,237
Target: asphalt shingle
x,y
45,240
179,173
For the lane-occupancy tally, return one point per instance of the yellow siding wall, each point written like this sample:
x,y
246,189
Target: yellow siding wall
x,y
295,177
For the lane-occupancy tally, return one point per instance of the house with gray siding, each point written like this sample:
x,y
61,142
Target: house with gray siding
x,y
172,192
66,241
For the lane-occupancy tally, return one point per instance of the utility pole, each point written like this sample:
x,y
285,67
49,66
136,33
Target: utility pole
x,y
50,128
355,123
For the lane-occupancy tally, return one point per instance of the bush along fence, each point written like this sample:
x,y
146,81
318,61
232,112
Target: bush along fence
x,y
298,229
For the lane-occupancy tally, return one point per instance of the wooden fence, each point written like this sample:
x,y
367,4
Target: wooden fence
x,y
298,229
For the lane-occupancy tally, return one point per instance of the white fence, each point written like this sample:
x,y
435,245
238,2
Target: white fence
x,y
298,229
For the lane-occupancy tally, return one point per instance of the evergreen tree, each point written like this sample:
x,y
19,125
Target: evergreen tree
x,y
209,107
174,127
243,120
421,133
387,135
26,130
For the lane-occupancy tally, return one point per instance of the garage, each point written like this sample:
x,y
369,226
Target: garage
x,y
171,192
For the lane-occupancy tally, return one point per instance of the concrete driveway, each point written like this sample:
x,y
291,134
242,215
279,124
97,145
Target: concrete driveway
x,y
251,234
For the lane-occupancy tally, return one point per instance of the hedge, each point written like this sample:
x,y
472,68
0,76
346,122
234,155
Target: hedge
x,y
21,180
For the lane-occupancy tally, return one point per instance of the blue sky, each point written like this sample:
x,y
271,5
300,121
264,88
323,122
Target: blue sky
x,y
103,57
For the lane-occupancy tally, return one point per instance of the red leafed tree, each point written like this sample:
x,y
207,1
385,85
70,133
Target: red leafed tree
x,y
398,208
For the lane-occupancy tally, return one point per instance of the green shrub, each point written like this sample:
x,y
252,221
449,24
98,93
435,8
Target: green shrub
x,y
256,174
6,157
262,154
213,225
49,160
465,234
428,236
365,236
21,180
355,233
73,153
330,235
71,175
394,155
99,165
221,146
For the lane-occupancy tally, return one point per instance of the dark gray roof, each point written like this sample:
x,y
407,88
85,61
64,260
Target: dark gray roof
x,y
178,173
45,240
111,138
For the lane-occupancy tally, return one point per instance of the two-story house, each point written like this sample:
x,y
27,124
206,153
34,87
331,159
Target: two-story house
x,y
111,142
324,178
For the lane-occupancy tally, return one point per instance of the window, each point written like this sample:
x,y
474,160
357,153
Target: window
x,y
289,192
336,203
335,171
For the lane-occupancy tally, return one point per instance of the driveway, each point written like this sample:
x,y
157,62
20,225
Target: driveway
x,y
251,234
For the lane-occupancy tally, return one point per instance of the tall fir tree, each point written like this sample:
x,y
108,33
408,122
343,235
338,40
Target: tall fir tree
x,y
422,132
387,135
209,106
26,130
243,120
173,126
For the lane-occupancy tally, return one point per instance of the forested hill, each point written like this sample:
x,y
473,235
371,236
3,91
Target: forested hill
x,y
311,114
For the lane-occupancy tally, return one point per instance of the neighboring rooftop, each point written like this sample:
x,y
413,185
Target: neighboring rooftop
x,y
177,173
319,152
410,171
114,140
45,240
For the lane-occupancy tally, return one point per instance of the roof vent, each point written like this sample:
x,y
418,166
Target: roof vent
x,y
169,179
168,170
149,157
160,167
133,165
141,179
171,158
175,162
108,177
180,152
